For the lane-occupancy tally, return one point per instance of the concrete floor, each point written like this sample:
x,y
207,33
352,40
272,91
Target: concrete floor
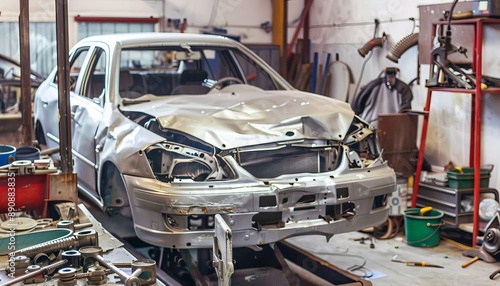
x,y
344,252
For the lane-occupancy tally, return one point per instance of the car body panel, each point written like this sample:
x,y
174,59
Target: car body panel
x,y
239,205
274,163
250,118
86,118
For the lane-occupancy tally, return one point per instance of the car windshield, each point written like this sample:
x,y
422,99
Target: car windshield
x,y
163,70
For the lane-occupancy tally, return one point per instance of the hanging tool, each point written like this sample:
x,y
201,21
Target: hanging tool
x,y
441,67
415,263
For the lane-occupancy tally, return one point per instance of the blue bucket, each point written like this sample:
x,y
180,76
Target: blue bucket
x,y
27,153
7,154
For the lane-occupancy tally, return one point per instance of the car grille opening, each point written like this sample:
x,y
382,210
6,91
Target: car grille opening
x,y
345,210
288,160
267,201
267,218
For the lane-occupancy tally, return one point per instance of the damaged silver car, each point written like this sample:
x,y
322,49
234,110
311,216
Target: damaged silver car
x,y
171,129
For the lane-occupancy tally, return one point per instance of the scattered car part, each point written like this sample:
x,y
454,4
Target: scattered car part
x,y
129,280
42,270
78,239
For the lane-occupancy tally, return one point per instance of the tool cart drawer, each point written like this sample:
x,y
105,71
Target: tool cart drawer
x,y
456,204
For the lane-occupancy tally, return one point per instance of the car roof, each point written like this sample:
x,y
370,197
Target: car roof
x,y
125,39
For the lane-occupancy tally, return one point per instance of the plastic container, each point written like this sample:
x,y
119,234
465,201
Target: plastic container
x,y
465,180
27,153
423,230
7,154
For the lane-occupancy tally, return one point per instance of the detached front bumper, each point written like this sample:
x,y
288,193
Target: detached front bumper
x,y
181,215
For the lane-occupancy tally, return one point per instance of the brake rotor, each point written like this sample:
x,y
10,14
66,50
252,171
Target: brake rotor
x,y
18,224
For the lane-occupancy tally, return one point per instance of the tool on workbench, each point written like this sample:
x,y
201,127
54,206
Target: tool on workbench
x,y
96,275
67,276
139,266
78,239
42,270
415,263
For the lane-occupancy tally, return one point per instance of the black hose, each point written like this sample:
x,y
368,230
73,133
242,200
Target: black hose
x,y
451,14
402,46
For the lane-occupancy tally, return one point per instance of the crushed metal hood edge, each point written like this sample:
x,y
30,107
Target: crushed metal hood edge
x,y
229,120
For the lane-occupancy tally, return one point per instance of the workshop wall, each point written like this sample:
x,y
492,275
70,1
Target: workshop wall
x,y
231,15
336,27
344,26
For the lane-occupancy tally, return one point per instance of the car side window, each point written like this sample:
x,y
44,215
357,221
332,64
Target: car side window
x,y
94,86
76,63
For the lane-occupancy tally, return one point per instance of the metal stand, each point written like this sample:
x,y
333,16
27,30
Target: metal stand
x,y
223,251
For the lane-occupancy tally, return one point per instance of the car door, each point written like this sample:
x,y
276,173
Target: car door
x,y
47,99
86,112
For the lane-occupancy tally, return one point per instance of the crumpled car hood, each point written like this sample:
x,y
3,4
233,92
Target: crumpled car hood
x,y
229,120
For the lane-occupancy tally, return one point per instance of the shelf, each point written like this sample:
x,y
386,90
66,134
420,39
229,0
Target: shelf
x,y
470,21
489,90
450,201
476,107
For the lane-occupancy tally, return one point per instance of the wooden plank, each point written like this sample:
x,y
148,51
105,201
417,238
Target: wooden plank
x,y
304,76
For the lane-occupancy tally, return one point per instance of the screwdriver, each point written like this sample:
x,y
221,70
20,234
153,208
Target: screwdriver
x,y
415,263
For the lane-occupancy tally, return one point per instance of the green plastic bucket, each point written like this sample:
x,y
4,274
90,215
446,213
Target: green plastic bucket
x,y
423,230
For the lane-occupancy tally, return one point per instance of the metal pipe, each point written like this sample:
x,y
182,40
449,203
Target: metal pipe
x,y
279,28
476,101
24,44
306,57
420,159
296,34
63,86
43,270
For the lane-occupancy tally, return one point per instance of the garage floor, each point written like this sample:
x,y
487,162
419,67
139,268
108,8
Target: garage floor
x,y
374,264
344,252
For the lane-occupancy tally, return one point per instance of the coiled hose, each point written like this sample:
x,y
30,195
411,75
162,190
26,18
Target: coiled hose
x,y
401,47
